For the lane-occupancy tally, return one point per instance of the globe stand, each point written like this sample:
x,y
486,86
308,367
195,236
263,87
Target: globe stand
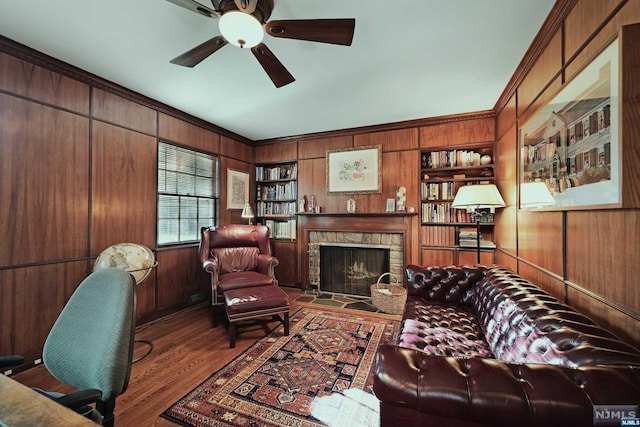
x,y
140,340
146,353
138,260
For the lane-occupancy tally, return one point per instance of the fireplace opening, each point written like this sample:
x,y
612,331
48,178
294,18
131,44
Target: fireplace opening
x,y
351,269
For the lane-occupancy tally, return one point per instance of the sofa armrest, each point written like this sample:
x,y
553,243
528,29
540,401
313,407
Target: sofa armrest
x,y
479,391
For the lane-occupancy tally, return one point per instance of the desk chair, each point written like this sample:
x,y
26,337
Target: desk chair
x,y
90,346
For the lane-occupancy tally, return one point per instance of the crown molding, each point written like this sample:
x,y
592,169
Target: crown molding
x,y
40,59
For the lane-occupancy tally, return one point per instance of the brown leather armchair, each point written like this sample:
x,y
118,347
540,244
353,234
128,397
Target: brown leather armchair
x,y
236,256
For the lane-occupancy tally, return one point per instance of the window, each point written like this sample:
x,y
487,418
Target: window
x,y
188,191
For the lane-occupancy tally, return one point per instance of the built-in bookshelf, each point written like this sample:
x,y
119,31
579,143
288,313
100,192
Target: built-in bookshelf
x,y
447,230
276,198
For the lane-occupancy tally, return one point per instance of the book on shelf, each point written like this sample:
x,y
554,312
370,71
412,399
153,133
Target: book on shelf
x,y
468,238
443,212
449,159
277,173
288,191
281,229
437,190
276,208
484,244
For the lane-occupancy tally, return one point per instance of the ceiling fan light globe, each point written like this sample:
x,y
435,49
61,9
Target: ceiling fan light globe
x,y
241,29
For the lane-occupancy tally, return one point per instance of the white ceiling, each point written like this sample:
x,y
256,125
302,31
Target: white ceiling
x,y
409,59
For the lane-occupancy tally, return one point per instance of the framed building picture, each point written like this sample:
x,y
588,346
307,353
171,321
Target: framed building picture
x,y
571,144
237,189
354,170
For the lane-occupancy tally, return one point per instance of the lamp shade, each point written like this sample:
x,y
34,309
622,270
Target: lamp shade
x,y
241,29
478,196
247,211
535,195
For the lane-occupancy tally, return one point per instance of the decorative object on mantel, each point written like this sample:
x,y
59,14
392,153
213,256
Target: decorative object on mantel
x,y
475,197
312,204
391,205
401,201
351,206
302,204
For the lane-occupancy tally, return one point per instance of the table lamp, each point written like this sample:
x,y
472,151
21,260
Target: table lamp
x,y
247,212
478,196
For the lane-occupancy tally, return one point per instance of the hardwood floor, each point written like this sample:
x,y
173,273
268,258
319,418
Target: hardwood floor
x,y
186,352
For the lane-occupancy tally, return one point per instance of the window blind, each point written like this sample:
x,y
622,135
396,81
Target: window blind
x,y
188,193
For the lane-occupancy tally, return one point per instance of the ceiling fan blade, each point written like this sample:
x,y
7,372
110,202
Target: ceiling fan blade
x,y
278,74
193,57
246,6
194,6
334,31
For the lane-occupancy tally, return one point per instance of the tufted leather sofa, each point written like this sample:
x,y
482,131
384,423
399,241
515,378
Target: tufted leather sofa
x,y
481,346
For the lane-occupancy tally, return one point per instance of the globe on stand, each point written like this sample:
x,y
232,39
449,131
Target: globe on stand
x,y
132,257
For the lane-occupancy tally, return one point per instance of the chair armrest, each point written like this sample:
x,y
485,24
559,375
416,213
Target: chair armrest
x,y
494,393
267,264
13,360
79,398
211,265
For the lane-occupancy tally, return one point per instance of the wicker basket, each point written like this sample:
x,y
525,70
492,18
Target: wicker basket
x,y
389,298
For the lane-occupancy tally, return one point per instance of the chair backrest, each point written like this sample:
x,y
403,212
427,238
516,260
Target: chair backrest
x,y
91,343
236,246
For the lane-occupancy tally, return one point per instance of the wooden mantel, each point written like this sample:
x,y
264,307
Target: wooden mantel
x,y
376,222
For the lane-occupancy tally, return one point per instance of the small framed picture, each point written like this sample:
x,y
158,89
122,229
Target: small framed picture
x,y
237,189
391,205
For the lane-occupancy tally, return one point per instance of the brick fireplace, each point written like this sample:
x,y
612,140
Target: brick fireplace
x,y
389,230
355,242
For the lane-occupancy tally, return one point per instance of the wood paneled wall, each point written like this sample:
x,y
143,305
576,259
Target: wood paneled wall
x,y
78,170
400,163
587,258
78,173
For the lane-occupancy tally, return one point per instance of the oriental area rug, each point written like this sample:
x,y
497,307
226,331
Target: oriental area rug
x,y
321,374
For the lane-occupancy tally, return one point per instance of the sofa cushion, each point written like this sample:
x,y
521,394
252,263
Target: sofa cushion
x,y
442,329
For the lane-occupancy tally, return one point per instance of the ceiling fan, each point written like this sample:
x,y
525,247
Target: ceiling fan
x,y
244,22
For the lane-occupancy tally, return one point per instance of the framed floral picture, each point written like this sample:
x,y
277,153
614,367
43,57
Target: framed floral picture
x,y
354,170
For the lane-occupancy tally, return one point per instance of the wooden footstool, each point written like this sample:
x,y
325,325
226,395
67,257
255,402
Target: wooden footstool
x,y
255,304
